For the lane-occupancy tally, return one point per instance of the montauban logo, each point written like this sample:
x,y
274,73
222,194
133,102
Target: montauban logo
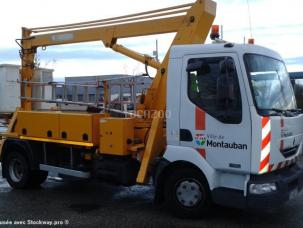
x,y
222,144
217,142
200,139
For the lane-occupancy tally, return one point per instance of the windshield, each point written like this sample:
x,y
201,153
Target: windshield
x,y
270,83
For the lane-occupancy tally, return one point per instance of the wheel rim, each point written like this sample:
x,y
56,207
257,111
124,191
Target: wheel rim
x,y
189,193
16,170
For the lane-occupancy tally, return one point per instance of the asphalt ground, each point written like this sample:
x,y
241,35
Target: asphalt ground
x,y
93,204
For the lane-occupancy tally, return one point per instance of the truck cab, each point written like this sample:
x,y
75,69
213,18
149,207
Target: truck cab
x,y
234,118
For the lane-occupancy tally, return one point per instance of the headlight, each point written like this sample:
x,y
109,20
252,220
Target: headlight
x,y
262,188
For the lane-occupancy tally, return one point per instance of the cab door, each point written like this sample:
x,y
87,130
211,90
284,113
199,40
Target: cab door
x,y
214,111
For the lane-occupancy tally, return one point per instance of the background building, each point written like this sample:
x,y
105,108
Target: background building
x,y
86,89
124,90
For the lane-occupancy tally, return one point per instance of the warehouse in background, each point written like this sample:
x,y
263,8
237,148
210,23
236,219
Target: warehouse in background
x,y
124,90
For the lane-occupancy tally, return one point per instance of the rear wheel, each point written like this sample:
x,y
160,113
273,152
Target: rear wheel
x,y
187,193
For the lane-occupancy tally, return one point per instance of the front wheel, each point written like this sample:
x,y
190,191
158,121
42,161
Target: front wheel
x,y
17,170
187,193
38,177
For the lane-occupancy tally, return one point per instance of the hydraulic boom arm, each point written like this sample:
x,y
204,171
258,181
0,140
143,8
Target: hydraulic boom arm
x,y
190,22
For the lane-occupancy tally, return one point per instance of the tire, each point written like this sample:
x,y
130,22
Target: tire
x,y
38,177
17,170
187,194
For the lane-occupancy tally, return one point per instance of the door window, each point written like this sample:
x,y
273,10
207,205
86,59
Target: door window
x,y
214,87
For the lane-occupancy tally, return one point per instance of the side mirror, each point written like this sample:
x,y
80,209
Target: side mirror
x,y
225,82
225,90
227,66
222,90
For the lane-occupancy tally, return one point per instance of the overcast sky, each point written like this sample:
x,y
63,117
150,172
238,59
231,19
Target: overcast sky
x,y
277,24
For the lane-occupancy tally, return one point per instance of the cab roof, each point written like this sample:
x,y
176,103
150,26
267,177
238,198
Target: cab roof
x,y
178,51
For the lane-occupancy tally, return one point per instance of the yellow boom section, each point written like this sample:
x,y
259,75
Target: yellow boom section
x,y
190,22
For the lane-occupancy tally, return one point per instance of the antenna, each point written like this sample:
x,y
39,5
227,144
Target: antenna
x,y
251,40
156,52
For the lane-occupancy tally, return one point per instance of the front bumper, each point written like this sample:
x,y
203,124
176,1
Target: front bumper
x,y
289,183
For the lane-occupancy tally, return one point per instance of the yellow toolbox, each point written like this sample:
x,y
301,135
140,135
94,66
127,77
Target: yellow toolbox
x,y
116,135
38,124
80,127
59,126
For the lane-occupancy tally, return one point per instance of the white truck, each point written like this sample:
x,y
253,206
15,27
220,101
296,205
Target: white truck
x,y
234,118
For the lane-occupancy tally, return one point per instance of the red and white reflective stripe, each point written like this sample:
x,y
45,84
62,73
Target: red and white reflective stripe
x,y
200,125
283,164
202,152
199,119
265,145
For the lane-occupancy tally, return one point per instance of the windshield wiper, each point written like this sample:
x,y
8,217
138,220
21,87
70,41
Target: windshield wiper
x,y
278,110
272,111
288,112
294,110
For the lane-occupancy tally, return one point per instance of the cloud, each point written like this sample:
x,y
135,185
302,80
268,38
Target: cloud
x,y
88,51
297,60
76,67
78,54
275,24
9,54
76,60
12,54
295,64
